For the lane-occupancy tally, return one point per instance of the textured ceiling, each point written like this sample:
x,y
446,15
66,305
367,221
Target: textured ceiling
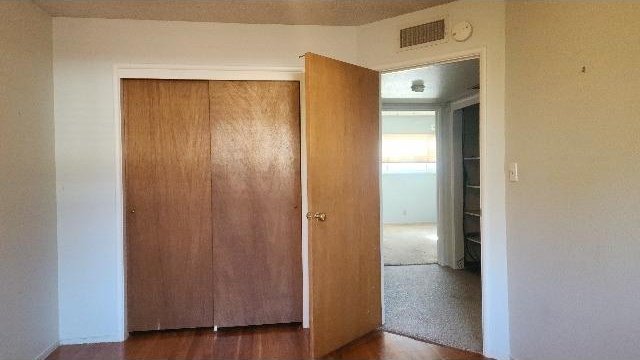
x,y
294,12
443,82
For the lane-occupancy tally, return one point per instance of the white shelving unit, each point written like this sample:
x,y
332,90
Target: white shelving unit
x,y
472,215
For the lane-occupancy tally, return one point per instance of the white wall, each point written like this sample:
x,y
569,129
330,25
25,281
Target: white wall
x,y
573,219
28,255
409,198
85,51
377,43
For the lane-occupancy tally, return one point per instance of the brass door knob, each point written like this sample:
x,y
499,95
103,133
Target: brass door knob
x,y
317,216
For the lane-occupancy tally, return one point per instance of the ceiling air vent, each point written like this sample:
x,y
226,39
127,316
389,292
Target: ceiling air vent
x,y
425,34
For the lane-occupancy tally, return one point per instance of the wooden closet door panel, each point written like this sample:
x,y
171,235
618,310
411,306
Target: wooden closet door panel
x,y
140,191
168,185
255,133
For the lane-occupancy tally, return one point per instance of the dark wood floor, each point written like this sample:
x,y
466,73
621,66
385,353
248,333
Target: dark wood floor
x,y
269,342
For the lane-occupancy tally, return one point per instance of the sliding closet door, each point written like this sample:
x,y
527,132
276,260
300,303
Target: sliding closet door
x,y
168,204
255,137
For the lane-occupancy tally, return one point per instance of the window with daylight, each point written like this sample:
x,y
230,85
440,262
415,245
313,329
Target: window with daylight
x,y
408,148
408,153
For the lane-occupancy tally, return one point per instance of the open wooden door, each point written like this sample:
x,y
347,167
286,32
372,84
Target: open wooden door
x,y
342,114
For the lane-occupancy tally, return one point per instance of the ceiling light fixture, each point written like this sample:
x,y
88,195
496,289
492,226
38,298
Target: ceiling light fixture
x,y
417,86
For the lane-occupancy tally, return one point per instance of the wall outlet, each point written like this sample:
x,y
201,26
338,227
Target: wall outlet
x,y
513,172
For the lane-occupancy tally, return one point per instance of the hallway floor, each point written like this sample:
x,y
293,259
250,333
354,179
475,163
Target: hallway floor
x,y
410,244
434,303
285,342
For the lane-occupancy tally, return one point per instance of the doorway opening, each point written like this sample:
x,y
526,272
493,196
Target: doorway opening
x,y
409,187
430,197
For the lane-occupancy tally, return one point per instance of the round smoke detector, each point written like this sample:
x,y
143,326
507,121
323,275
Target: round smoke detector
x,y
462,31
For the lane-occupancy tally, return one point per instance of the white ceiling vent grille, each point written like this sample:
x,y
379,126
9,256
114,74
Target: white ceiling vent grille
x,y
430,33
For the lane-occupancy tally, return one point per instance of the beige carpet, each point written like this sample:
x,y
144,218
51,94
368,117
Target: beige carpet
x,y
409,244
434,303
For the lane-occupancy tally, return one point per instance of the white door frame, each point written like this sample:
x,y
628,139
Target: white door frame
x,y
489,334
178,72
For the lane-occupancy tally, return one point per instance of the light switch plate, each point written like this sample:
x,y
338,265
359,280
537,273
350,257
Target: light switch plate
x,y
513,172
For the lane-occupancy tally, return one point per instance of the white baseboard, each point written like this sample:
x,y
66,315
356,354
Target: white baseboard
x,y
92,340
51,348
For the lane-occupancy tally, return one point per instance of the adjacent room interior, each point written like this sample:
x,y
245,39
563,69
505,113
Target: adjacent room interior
x,y
409,187
430,186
